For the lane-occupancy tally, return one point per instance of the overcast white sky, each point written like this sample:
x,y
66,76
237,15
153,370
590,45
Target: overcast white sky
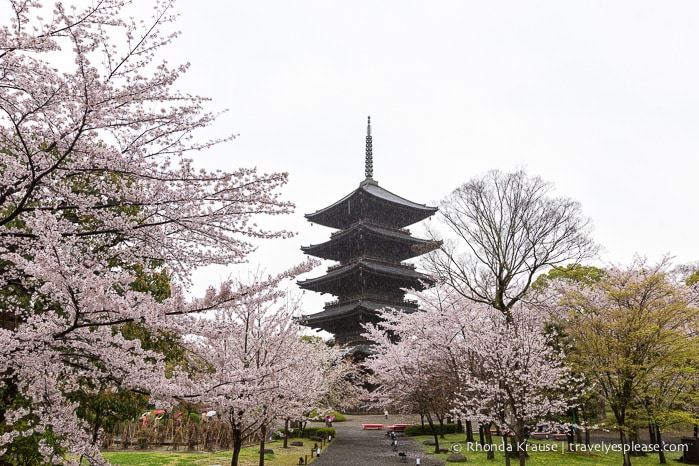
x,y
600,98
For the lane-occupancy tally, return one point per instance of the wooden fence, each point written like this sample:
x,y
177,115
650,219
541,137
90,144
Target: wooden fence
x,y
172,434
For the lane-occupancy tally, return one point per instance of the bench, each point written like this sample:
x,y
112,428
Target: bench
x,y
372,426
398,427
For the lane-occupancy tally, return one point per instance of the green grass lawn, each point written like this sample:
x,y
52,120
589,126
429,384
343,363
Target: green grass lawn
x,y
556,456
248,457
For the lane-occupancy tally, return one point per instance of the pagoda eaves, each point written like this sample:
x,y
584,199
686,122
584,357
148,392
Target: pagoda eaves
x,y
365,274
364,238
370,201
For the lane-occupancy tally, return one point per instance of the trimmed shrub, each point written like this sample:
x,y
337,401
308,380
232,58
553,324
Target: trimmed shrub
x,y
308,432
318,432
325,431
312,432
416,429
314,416
339,417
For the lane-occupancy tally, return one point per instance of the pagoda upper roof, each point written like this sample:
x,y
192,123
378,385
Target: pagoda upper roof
x,y
370,201
398,244
365,273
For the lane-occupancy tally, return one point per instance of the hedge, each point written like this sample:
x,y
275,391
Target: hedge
x,y
325,432
314,416
310,432
417,429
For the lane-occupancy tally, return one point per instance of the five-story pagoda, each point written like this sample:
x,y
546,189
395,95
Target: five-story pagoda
x,y
370,245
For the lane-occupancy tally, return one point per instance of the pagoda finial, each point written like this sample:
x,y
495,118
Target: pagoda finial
x,y
369,161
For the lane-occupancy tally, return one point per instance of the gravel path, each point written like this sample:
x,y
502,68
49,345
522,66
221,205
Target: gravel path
x,y
355,446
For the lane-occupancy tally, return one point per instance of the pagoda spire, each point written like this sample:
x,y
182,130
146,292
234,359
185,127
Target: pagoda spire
x,y
369,159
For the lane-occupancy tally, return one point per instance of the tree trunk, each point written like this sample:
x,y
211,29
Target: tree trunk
x,y
620,417
506,449
237,446
587,437
469,431
286,433
263,438
520,436
634,437
624,442
96,426
435,434
578,432
586,423
661,450
651,434
601,409
570,437
481,435
489,441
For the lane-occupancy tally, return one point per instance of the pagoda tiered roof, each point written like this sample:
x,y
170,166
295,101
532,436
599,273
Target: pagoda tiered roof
x,y
365,238
339,317
366,274
370,247
372,202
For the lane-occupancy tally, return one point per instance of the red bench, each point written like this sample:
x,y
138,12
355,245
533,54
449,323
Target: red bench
x,y
372,426
398,427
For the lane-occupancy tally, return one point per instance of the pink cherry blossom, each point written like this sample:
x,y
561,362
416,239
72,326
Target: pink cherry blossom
x,y
97,182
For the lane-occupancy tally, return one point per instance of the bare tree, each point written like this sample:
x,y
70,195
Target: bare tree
x,y
508,228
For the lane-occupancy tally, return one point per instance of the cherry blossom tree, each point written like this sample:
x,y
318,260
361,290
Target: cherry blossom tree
x,y
516,377
97,191
344,379
481,363
342,384
412,366
253,367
